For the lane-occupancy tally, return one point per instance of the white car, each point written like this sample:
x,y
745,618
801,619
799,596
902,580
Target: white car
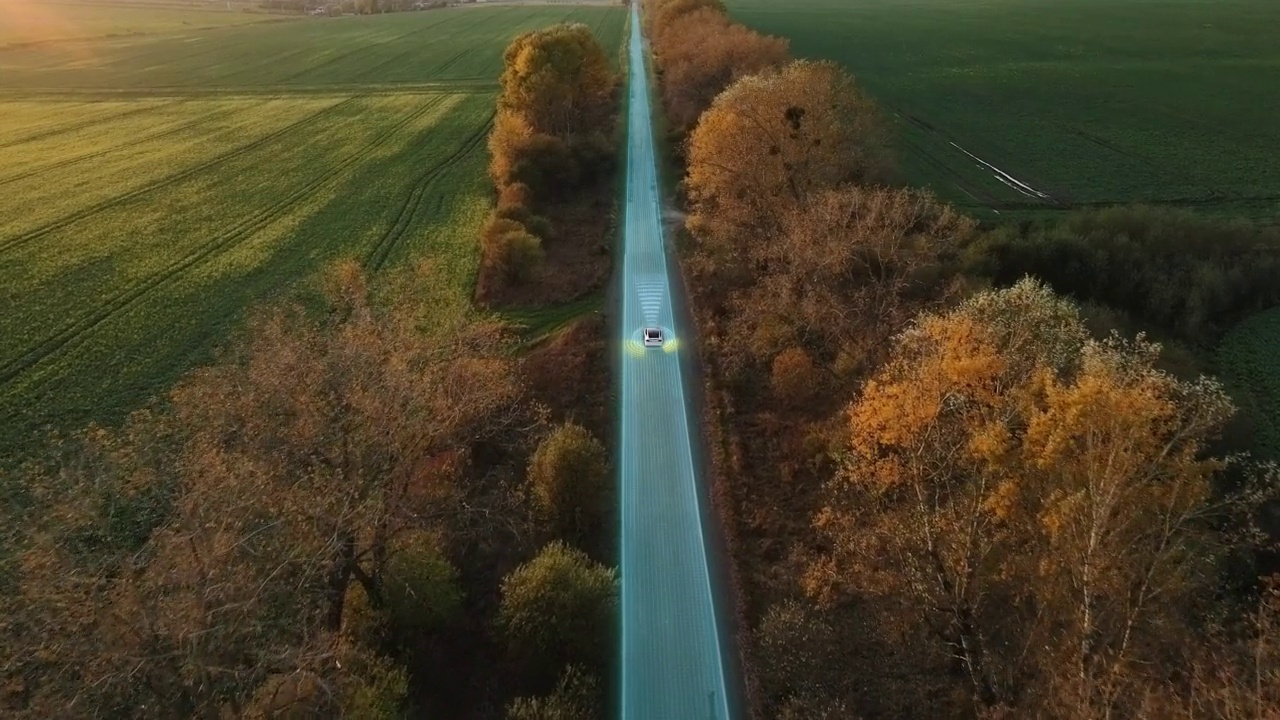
x,y
653,337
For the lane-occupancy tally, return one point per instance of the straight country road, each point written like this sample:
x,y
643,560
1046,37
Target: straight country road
x,y
671,665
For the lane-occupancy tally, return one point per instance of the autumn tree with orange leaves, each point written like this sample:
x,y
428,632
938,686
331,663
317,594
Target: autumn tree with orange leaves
x,y
1039,502
771,142
703,52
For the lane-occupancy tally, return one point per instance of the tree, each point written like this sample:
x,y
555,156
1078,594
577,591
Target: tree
x,y
516,254
519,155
559,607
301,461
558,80
770,142
576,697
847,268
1040,499
702,53
667,13
568,478
420,587
794,379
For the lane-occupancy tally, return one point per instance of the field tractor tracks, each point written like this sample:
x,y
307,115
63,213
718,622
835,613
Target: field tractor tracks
x,y
18,240
70,335
383,248
1013,183
364,49
180,128
393,59
80,125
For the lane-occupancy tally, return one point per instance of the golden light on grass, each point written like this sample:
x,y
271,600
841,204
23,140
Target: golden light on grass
x,y
27,21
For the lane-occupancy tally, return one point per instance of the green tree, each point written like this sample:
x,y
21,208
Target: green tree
x,y
419,586
560,607
576,697
568,479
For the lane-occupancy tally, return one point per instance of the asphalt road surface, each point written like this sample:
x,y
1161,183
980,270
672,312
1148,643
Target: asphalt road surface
x,y
671,646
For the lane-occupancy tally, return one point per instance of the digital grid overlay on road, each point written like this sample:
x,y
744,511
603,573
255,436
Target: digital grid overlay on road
x,y
671,664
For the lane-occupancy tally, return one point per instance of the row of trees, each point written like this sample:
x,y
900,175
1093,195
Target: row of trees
x,y
700,52
958,501
551,136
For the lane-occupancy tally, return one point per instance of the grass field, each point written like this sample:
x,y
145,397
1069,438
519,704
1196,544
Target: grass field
x,y
1084,101
151,188
1247,362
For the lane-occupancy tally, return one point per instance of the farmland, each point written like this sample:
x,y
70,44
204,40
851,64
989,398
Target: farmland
x,y
1084,101
153,187
42,21
1247,361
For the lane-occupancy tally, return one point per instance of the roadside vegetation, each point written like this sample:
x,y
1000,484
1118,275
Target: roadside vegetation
x,y
375,502
959,474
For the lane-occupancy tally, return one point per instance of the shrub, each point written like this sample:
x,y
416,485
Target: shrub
x,y
559,607
576,697
520,254
509,250
419,586
515,194
535,224
568,477
794,378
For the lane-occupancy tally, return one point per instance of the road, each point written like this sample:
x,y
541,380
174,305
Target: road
x,y
671,666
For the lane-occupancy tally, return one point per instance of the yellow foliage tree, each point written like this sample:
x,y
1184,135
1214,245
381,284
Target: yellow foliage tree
x,y
1039,500
770,141
701,53
558,80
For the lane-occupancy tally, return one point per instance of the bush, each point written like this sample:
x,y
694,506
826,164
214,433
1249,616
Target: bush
x,y
545,164
521,255
560,607
420,587
515,194
568,476
576,697
509,250
794,378
535,224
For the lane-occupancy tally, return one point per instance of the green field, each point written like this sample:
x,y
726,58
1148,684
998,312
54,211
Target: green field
x,y
1247,363
151,188
1085,101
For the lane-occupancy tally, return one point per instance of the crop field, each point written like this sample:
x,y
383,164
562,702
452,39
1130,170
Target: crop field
x,y
1247,363
1026,107
152,188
